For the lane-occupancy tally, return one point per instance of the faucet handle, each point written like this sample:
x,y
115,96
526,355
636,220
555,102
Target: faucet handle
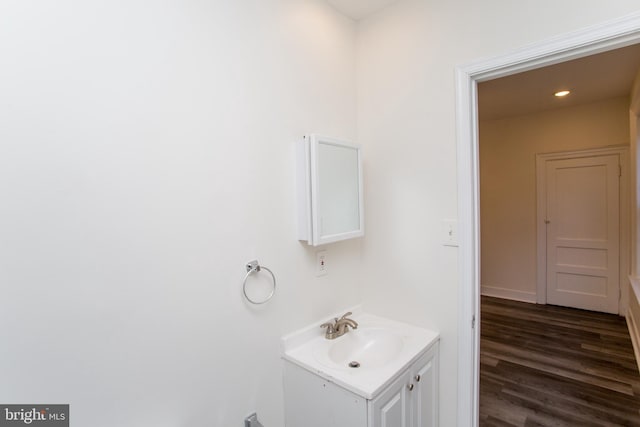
x,y
344,316
331,327
332,332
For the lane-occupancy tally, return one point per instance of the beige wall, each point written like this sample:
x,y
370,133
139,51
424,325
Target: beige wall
x,y
634,139
508,149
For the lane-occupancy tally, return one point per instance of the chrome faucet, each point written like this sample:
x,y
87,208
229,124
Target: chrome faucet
x,y
339,327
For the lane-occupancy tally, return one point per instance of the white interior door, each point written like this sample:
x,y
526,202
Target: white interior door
x,y
583,232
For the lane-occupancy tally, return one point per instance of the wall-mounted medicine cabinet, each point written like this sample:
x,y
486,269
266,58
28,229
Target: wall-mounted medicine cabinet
x,y
329,185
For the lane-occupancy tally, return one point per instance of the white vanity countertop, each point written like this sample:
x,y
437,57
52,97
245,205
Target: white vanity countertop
x,y
401,345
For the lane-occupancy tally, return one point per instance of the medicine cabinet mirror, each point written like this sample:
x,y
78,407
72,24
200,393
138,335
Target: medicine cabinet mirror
x,y
329,190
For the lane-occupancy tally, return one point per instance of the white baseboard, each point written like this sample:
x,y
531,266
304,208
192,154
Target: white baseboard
x,y
633,332
632,317
494,291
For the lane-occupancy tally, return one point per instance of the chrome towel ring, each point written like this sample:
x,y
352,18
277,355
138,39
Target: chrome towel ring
x,y
254,266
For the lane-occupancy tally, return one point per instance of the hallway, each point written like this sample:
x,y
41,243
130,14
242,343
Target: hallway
x,y
555,366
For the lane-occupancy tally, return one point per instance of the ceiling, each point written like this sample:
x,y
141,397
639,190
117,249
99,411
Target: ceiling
x,y
590,79
358,9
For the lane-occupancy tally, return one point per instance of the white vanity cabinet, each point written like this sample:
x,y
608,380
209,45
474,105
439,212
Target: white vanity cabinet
x,y
410,400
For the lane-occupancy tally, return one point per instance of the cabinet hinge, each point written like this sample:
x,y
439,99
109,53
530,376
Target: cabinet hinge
x,y
473,321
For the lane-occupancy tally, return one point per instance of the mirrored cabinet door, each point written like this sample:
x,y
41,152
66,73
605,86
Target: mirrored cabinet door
x,y
329,190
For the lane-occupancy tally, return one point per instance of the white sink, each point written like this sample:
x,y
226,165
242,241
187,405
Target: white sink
x,y
368,347
381,348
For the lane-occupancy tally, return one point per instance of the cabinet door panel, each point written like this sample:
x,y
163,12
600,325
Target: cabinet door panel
x,y
392,407
393,412
425,392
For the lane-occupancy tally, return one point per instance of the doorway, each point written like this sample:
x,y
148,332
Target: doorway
x,y
608,36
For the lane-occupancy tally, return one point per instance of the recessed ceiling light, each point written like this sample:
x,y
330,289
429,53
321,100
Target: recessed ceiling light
x,y
562,93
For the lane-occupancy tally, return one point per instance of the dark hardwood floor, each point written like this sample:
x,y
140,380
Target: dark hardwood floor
x,y
543,365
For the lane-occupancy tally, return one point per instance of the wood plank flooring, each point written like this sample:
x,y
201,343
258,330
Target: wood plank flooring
x,y
544,365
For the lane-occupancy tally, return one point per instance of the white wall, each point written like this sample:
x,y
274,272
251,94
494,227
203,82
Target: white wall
x,y
508,149
146,153
406,120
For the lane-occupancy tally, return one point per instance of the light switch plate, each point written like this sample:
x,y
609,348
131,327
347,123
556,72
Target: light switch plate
x,y
450,232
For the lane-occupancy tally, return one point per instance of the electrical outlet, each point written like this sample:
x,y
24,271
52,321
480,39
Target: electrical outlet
x,y
321,263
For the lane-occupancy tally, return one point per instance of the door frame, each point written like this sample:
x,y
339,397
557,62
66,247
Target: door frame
x,y
602,37
541,208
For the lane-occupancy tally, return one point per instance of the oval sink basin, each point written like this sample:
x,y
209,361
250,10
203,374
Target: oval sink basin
x,y
370,347
381,348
